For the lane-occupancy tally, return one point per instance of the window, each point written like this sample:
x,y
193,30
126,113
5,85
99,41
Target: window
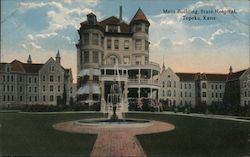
x,y
112,60
204,94
113,28
108,43
138,44
86,56
190,94
126,44
163,93
216,86
51,78
8,78
137,60
216,95
163,84
44,78
29,89
86,38
169,92
126,60
51,68
58,89
220,86
59,79
71,90
212,86
12,88
12,98
44,88
44,98
35,98
3,78
21,79
29,79
181,85
95,57
146,45
245,93
51,88
174,84
181,94
21,98
51,98
212,95
35,89
169,84
185,94
102,41
4,99
189,86
12,78
185,86
138,27
8,88
30,98
220,95
174,93
95,39
203,85
146,29
248,93
116,44
35,80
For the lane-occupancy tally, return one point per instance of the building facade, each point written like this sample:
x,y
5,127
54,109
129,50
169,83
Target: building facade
x,y
113,51
33,84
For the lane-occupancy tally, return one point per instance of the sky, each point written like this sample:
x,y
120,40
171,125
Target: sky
x,y
40,28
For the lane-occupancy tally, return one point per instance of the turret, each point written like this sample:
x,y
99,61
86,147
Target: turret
x,y
29,61
230,70
58,57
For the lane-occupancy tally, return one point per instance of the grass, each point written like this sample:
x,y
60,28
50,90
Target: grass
x,y
32,134
196,137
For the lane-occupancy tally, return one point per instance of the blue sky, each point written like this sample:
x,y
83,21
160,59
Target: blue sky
x,y
40,28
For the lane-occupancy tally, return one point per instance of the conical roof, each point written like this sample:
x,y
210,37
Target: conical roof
x,y
139,16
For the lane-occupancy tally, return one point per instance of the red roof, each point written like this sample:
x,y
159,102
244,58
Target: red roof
x,y
139,16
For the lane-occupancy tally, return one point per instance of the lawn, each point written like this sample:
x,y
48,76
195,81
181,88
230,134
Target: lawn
x,y
32,134
27,134
196,137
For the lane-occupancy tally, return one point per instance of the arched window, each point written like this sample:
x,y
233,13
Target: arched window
x,y
163,84
163,93
112,60
203,85
174,84
169,84
169,92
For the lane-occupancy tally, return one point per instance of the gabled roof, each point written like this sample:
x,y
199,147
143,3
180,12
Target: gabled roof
x,y
186,76
124,27
32,68
139,16
235,75
17,66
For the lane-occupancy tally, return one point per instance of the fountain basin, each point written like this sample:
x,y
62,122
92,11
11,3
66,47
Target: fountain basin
x,y
109,123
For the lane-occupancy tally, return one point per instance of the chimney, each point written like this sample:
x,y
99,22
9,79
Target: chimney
x,y
120,13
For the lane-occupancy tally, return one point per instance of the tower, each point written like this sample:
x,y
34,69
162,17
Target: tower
x,y
89,56
58,57
29,61
139,26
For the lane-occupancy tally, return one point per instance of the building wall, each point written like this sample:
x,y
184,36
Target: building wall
x,y
187,93
245,88
169,84
51,77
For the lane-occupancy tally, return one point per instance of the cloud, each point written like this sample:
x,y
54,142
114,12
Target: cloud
x,y
36,46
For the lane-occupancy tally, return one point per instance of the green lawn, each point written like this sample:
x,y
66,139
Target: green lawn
x,y
196,137
29,134
32,134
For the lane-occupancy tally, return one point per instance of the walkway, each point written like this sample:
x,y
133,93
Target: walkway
x,y
116,141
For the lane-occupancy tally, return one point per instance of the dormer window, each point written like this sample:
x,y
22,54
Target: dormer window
x,y
91,19
113,28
